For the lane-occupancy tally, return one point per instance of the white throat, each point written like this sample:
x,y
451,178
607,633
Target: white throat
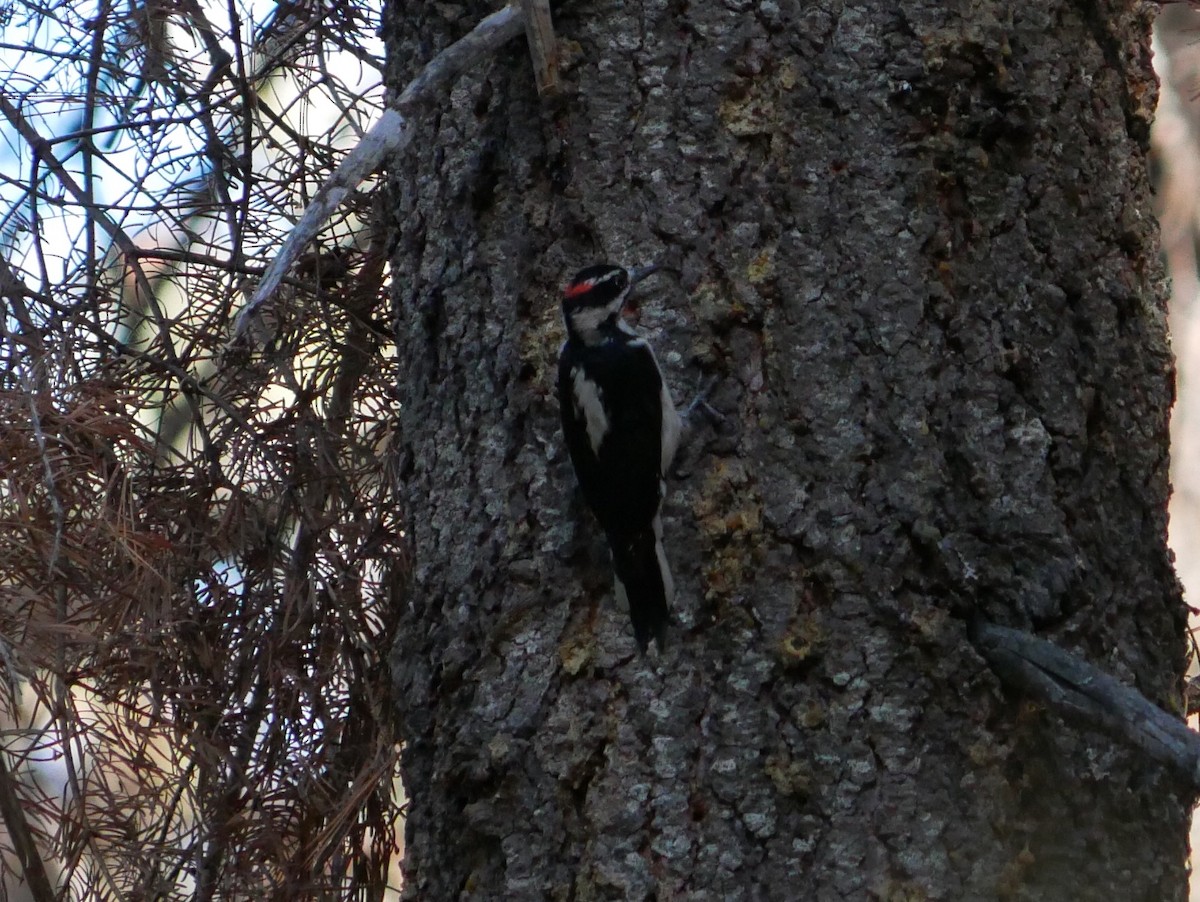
x,y
589,320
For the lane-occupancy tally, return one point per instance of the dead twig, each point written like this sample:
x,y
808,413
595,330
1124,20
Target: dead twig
x,y
543,49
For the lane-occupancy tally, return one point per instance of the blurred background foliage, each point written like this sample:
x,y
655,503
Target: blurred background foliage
x,y
1176,170
200,550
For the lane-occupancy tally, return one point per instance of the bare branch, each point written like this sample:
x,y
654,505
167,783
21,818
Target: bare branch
x,y
391,134
1072,686
42,148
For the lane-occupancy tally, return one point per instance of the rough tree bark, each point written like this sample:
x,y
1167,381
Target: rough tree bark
x,y
915,243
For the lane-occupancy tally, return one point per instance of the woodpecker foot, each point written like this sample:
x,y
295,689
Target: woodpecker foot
x,y
690,450
700,402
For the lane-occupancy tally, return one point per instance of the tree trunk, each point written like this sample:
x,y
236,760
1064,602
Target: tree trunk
x,y
916,246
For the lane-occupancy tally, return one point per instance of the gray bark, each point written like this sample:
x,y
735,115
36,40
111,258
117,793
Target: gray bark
x,y
916,245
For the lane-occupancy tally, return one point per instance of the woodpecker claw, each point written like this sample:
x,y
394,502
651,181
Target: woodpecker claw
x,y
701,402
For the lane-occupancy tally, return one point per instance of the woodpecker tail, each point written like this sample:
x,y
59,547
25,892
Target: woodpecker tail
x,y
644,582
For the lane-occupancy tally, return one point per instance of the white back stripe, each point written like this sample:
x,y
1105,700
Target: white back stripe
x,y
589,404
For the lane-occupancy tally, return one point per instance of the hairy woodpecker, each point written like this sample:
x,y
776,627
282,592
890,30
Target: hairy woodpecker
x,y
622,430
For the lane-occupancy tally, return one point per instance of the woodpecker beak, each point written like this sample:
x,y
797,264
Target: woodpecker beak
x,y
637,273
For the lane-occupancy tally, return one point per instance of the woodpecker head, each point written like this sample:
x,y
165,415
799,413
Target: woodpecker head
x,y
594,300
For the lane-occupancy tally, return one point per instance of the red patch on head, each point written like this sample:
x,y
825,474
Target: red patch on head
x,y
579,288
